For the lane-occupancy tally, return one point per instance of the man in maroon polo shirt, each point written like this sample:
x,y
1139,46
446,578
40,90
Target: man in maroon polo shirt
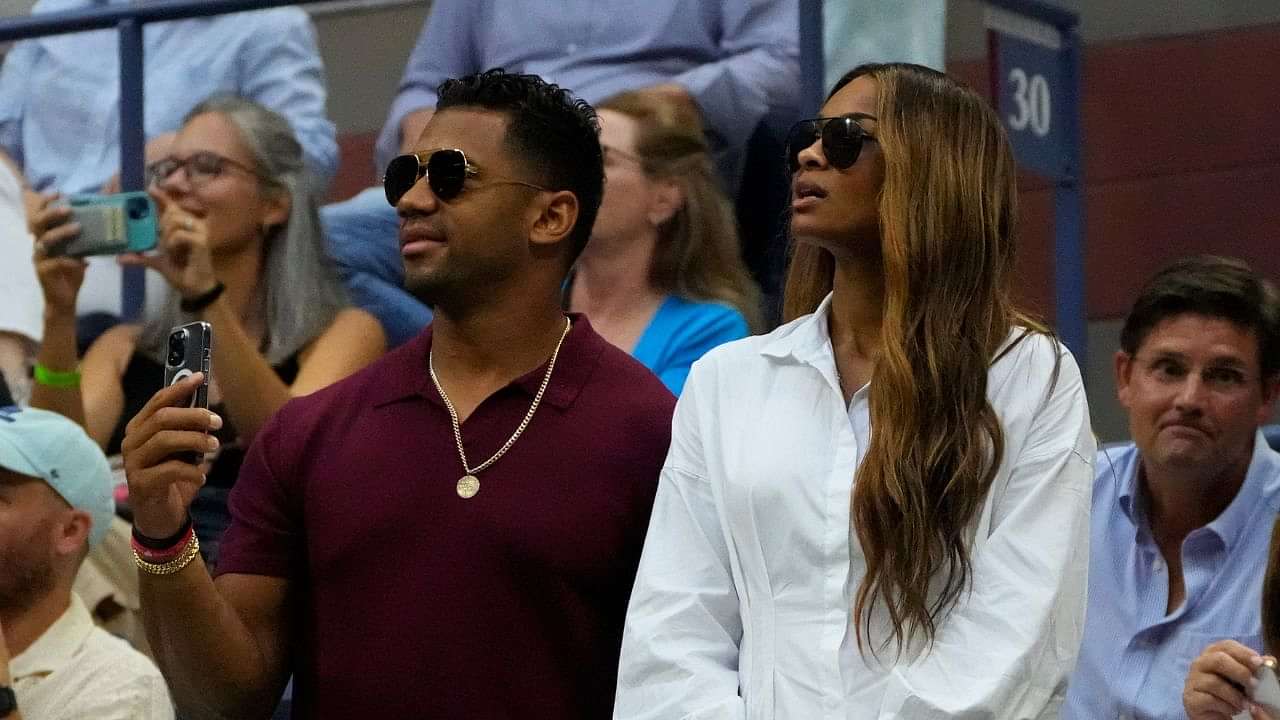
x,y
454,531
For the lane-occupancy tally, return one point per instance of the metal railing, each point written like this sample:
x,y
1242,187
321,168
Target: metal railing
x,y
128,20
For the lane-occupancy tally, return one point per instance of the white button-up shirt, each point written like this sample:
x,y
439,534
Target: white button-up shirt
x,y
742,606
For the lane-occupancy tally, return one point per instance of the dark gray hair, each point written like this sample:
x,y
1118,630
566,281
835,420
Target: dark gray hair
x,y
300,290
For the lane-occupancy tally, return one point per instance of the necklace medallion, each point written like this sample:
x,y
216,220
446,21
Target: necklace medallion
x,y
468,486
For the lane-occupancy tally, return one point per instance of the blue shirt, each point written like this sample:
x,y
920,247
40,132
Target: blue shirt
x,y
739,59
59,95
682,331
1134,658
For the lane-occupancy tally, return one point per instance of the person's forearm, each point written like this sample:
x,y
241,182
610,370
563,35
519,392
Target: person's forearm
x,y
251,389
58,354
209,659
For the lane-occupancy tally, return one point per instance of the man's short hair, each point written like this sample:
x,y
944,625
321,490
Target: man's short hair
x,y
556,134
1213,286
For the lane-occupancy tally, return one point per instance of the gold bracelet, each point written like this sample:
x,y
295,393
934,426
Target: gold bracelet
x,y
189,553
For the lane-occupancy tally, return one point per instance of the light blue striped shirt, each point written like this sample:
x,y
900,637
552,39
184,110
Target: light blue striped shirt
x,y
59,95
1135,657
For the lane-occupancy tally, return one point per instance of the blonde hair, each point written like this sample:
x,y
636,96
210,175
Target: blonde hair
x,y
947,209
698,256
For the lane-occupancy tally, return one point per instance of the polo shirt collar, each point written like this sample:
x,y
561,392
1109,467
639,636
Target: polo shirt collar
x,y
56,648
407,375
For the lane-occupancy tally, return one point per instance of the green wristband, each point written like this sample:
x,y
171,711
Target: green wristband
x,y
57,379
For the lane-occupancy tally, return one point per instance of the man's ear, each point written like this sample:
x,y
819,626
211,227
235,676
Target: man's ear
x,y
665,202
557,216
71,533
1124,373
1270,391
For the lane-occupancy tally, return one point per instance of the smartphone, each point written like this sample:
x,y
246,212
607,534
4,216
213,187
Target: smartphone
x,y
189,352
1267,691
111,224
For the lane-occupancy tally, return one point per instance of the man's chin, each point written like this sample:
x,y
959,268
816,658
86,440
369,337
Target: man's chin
x,y
427,288
1186,456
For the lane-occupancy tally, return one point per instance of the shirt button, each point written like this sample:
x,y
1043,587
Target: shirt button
x,y
572,47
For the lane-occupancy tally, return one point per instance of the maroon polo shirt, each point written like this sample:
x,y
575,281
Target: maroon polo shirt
x,y
415,603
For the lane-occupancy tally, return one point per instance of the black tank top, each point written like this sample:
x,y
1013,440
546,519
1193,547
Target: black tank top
x,y
144,377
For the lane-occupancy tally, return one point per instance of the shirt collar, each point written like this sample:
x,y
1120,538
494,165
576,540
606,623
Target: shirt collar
x,y
407,376
1261,486
805,339
1256,492
55,648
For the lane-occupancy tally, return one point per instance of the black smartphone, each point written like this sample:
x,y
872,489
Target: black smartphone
x,y
189,352
190,349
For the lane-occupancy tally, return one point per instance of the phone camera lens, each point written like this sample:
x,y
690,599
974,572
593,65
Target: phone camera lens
x,y
177,349
137,208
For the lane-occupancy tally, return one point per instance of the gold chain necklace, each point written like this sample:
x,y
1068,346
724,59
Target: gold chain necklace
x,y
469,484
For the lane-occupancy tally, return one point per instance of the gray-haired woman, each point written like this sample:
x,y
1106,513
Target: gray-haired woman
x,y
240,247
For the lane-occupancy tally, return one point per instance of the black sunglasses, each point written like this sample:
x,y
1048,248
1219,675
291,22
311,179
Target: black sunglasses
x,y
842,139
446,170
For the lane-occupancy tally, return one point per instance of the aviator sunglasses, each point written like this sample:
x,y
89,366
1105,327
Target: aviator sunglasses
x,y
842,139
446,170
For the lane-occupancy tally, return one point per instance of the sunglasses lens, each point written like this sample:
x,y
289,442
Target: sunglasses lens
x,y
842,142
402,173
801,136
446,171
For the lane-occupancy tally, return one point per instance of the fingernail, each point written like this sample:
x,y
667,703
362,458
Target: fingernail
x,y
1256,661
212,443
215,421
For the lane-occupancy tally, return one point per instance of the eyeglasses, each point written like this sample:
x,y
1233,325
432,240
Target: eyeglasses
x,y
200,167
1222,378
446,170
842,139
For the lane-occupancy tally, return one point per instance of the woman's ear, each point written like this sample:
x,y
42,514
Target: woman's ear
x,y
665,201
276,206
556,218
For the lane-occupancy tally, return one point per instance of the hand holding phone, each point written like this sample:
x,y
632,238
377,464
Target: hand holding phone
x,y
162,450
185,259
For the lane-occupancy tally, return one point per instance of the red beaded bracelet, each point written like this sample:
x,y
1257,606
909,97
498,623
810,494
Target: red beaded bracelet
x,y
164,555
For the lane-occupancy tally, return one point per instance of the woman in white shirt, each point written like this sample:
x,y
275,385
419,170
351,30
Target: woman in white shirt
x,y
799,565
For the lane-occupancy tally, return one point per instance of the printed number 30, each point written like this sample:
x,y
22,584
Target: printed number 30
x,y
1031,96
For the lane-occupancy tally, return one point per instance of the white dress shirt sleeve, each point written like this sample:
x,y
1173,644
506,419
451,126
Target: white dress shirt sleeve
x,y
1007,648
680,646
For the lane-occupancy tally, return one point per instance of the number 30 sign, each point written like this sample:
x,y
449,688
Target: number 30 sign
x,y
1031,71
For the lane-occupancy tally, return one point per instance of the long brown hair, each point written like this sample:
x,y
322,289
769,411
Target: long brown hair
x,y
947,208
698,256
1271,597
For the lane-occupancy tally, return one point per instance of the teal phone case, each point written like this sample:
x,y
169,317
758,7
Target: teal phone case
x,y
112,224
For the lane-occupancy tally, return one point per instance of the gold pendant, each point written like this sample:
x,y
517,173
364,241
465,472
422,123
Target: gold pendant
x,y
468,486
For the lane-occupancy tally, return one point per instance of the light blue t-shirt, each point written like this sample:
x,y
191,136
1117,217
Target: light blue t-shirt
x,y
682,331
59,95
1134,658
